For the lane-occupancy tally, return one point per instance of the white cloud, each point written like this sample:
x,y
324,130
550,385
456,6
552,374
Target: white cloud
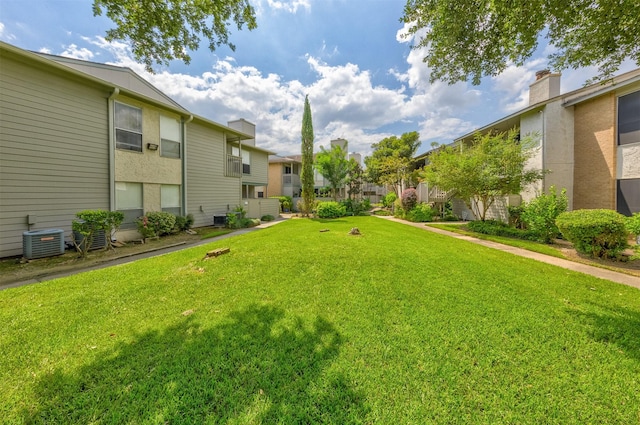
x,y
4,35
290,6
73,51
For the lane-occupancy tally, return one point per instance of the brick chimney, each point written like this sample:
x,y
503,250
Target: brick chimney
x,y
546,86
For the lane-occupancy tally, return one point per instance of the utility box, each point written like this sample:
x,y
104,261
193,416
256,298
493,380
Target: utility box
x,y
42,243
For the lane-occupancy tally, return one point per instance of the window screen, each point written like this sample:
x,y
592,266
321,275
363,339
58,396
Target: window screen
x,y
628,196
129,202
169,137
128,126
170,198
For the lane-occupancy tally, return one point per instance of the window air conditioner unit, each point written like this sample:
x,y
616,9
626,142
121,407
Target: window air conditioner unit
x,y
42,243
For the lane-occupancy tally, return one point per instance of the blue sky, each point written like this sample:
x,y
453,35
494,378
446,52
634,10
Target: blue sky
x,y
364,81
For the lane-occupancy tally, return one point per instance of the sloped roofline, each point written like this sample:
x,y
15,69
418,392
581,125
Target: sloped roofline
x,y
568,99
174,106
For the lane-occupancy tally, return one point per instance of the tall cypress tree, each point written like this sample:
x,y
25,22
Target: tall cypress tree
x,y
306,176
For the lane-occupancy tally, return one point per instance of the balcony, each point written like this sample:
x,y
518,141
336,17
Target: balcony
x,y
290,180
234,166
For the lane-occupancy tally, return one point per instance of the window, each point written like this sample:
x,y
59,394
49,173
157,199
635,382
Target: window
x,y
170,198
629,119
287,169
628,196
246,162
129,202
169,137
128,126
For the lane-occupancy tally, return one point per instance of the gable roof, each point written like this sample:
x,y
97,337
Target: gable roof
x,y
113,78
568,99
123,77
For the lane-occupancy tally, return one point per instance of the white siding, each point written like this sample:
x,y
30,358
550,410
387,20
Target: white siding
x,y
54,157
209,192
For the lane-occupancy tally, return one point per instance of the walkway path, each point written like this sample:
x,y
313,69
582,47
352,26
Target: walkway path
x,y
570,265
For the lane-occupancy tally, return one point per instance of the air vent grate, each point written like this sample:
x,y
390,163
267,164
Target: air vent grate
x,y
42,243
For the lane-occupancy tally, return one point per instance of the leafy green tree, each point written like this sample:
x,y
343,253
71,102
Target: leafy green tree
x,y
391,163
540,214
492,166
354,179
334,166
163,30
470,39
306,176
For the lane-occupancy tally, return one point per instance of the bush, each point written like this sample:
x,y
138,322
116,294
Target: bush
x,y
540,214
156,223
409,199
389,199
421,213
633,224
515,216
184,222
286,203
331,210
267,217
354,207
598,233
91,221
498,228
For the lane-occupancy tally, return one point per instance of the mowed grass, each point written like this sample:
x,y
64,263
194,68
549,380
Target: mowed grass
x,y
299,326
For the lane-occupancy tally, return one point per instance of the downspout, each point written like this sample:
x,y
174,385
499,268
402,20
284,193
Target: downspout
x,y
544,149
241,173
184,164
112,150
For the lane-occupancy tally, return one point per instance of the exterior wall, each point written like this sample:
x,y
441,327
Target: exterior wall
x,y
257,208
259,169
532,125
54,149
275,170
209,192
595,153
559,149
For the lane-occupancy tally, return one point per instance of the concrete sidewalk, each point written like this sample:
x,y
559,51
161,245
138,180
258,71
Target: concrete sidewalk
x,y
601,273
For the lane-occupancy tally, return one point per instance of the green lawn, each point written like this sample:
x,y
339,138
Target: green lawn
x,y
298,326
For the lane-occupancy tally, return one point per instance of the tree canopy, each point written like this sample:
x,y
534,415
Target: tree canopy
x,y
334,166
391,163
469,39
307,178
493,166
162,30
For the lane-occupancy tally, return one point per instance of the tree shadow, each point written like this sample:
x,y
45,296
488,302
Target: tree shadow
x,y
620,326
257,367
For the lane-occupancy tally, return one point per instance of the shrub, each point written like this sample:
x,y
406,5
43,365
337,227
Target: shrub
x,y
421,213
91,221
184,222
267,217
598,233
354,207
515,216
331,210
633,224
389,199
409,199
366,203
540,214
286,203
156,223
498,228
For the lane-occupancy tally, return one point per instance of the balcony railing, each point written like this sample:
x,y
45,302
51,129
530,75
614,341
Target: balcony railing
x,y
234,166
290,180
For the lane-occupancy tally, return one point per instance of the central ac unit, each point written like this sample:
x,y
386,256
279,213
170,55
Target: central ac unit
x,y
42,243
99,240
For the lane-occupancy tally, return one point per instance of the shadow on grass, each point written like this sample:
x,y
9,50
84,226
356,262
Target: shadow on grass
x,y
255,368
620,327
328,220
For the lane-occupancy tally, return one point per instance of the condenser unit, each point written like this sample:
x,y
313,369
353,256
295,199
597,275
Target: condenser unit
x,y
42,243
99,239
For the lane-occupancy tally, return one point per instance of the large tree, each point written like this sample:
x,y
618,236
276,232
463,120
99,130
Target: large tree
x,y
391,163
468,39
491,167
162,30
334,166
306,176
